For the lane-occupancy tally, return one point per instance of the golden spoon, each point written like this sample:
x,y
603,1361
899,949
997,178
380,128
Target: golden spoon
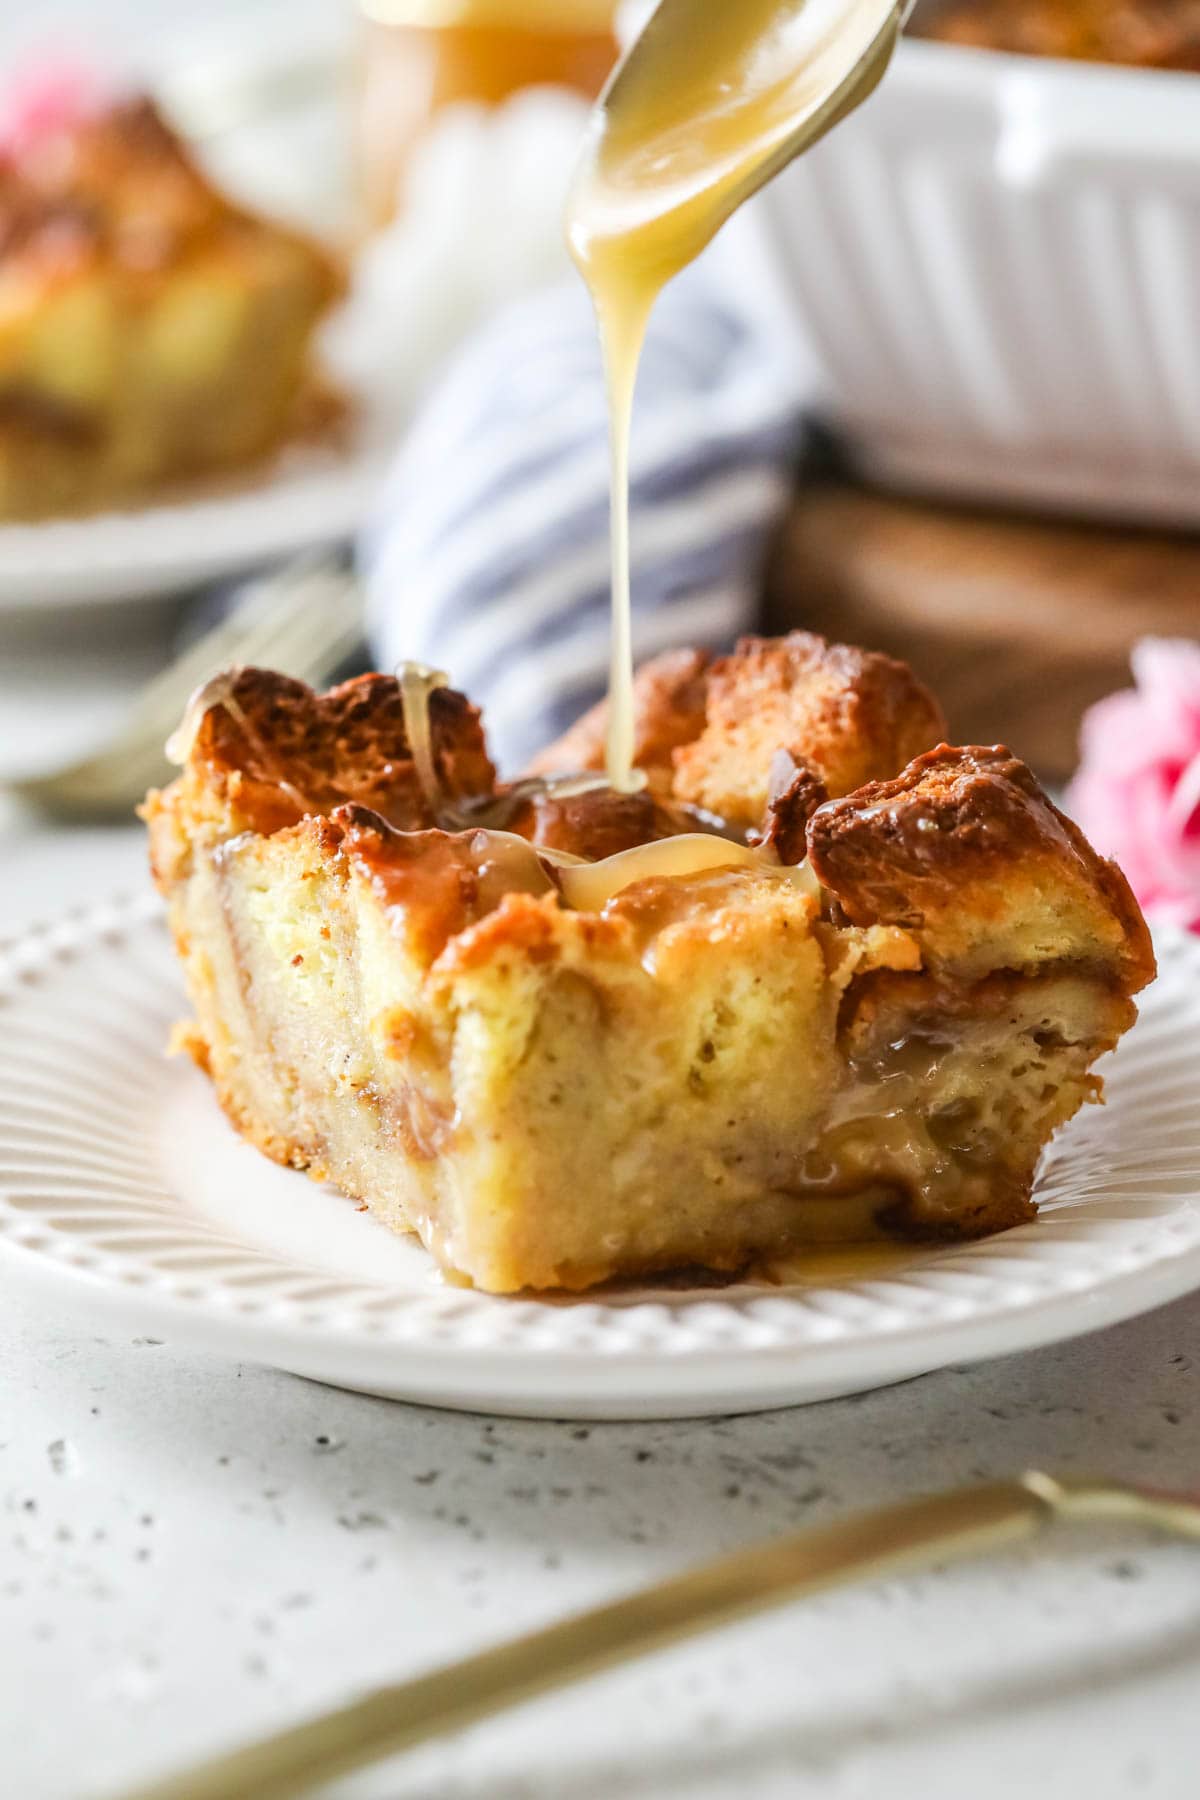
x,y
913,1534
707,105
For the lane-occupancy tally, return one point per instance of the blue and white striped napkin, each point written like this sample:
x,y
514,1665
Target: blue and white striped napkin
x,y
490,557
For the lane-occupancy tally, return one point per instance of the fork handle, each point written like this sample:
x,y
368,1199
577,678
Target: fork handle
x,y
943,1528
748,1581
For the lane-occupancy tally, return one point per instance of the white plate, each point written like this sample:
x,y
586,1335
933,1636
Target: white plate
x,y
306,498
119,1175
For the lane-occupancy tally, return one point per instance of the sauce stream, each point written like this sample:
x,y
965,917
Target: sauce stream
x,y
713,99
417,682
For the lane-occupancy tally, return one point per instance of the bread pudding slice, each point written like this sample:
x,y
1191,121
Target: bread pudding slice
x,y
150,329
566,1035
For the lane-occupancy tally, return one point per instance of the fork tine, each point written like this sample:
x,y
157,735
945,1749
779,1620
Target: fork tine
x,y
292,627
306,619
259,630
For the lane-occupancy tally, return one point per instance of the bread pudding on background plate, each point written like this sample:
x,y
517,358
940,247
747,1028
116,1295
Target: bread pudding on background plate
x,y
822,979
150,329
1152,34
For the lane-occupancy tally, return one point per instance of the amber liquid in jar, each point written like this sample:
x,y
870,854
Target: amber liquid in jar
x,y
419,56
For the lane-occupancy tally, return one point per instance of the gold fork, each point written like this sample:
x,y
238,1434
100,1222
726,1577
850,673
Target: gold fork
x,y
305,619
942,1528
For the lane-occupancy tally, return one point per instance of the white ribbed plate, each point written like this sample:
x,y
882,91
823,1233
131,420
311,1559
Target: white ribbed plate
x,y
118,1175
305,498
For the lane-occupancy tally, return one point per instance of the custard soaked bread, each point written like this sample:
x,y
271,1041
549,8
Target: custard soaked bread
x,y
565,1034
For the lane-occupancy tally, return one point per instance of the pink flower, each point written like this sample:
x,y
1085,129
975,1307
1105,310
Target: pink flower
x,y
1137,793
46,98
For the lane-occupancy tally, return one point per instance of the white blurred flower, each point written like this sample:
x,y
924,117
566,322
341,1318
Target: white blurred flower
x,y
482,224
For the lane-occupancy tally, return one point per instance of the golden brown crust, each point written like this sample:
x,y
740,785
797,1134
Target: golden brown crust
x,y
962,848
269,751
965,849
117,183
707,731
852,714
287,751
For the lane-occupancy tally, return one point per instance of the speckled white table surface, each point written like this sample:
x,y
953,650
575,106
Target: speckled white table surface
x,y
193,1551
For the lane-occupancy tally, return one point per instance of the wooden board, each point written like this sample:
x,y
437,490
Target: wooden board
x,y
1017,624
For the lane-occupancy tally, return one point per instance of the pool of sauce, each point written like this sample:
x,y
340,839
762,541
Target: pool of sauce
x,y
837,1265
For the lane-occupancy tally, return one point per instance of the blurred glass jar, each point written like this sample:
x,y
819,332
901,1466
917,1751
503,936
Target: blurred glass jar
x,y
419,56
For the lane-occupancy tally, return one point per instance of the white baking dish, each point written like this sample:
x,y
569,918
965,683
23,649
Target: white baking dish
x,y
996,266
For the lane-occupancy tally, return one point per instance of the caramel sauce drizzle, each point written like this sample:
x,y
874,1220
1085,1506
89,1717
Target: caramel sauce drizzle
x,y
218,690
583,886
417,684
589,887
483,812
